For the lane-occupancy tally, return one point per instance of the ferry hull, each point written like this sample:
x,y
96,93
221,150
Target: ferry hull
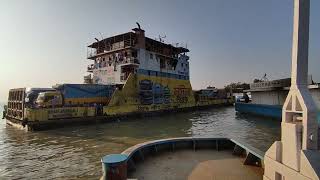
x,y
273,111
143,94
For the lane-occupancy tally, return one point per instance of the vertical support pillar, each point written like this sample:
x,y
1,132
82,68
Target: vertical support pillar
x,y
114,167
140,45
299,124
299,127
140,38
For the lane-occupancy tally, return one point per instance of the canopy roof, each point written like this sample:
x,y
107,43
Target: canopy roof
x,y
133,36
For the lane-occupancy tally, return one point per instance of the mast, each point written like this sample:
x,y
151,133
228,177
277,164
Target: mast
x,y
299,108
296,155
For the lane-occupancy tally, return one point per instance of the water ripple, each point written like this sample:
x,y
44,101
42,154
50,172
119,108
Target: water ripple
x,y
75,152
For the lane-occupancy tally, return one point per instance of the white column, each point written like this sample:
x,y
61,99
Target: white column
x,y
299,127
299,107
300,44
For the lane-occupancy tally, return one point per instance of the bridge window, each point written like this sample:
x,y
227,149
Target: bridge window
x,y
162,64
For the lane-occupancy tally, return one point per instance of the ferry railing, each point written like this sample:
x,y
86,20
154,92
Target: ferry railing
x,y
92,52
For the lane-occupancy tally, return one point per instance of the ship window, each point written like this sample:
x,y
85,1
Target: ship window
x,y
48,98
162,64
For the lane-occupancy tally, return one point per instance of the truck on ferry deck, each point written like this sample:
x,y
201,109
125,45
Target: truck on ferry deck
x,y
61,101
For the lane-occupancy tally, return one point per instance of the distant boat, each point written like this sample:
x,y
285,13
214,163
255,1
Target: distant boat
x,y
267,97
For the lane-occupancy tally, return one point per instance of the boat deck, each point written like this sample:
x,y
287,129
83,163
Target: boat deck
x,y
194,165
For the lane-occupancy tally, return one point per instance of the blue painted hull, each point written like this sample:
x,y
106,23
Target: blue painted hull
x,y
274,111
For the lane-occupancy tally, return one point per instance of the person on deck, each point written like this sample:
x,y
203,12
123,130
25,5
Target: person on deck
x,y
246,97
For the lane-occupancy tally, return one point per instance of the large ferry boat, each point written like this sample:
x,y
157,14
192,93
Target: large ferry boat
x,y
129,74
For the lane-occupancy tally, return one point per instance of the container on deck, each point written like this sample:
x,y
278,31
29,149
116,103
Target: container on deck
x,y
114,167
85,93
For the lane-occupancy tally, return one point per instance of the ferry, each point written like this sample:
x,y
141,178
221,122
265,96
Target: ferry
x,y
268,97
129,74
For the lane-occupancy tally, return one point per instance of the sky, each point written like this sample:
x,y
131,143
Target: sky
x,y
43,43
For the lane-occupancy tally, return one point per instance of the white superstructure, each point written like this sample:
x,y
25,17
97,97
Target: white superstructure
x,y
114,58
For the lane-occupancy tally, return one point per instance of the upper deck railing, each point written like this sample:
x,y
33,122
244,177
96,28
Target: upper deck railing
x,y
108,48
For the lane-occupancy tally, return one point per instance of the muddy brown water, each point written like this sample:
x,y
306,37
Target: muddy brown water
x,y
75,152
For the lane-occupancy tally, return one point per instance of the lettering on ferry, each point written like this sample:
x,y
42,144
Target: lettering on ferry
x,y
153,93
62,113
181,93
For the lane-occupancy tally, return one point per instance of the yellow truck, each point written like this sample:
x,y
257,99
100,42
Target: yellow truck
x,y
64,101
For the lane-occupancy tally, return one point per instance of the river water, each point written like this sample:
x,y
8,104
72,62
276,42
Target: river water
x,y
75,152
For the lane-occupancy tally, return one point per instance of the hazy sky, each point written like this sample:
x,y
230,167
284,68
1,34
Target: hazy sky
x,y
44,42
